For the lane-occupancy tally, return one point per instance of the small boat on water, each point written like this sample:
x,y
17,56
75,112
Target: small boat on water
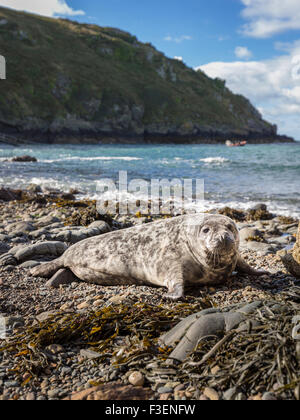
x,y
230,143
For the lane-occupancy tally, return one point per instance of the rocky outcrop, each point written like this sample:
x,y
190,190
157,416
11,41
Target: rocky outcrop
x,y
25,158
112,88
7,194
147,135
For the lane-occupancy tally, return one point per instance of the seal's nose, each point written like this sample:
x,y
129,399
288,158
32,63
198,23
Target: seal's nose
x,y
226,241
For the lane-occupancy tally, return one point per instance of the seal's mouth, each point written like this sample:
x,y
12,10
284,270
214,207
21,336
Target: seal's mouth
x,y
226,243
222,243
214,241
221,248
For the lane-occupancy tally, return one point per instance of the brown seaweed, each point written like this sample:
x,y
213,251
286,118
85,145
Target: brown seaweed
x,y
261,357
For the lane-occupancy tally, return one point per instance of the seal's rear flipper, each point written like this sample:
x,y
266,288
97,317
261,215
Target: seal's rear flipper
x,y
244,268
47,270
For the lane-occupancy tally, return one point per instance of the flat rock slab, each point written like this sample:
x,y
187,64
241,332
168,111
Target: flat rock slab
x,y
45,315
22,227
45,248
76,234
30,264
260,248
63,276
203,324
47,220
90,354
113,392
3,248
20,254
248,232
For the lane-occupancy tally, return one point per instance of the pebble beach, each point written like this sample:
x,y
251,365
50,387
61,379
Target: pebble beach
x,y
76,367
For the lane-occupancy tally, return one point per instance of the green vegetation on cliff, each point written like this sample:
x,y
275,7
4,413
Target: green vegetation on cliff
x,y
65,77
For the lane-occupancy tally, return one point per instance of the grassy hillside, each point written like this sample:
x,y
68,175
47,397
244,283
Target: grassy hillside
x,y
66,79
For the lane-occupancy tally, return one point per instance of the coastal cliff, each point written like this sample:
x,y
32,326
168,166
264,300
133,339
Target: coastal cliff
x,y
80,83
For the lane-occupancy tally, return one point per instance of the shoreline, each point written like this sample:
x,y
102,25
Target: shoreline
x,y
86,137
88,196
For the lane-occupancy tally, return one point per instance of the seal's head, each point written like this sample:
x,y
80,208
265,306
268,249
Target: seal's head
x,y
215,237
219,233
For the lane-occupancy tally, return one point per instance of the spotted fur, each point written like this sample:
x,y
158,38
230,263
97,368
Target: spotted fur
x,y
192,250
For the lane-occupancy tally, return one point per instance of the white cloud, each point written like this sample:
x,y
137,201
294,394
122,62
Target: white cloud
x,y
272,85
243,53
178,39
222,38
178,58
42,7
269,17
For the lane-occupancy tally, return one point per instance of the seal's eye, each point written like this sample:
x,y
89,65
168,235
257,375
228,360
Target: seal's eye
x,y
206,230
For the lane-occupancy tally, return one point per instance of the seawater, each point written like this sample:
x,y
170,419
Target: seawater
x,y
238,177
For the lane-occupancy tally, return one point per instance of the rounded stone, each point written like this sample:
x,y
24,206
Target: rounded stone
x,y
211,394
269,396
136,378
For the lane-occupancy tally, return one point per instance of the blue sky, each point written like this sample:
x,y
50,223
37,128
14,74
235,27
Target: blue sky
x,y
190,28
212,28
253,44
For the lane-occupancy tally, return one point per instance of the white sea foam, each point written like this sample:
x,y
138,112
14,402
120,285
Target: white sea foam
x,y
273,206
206,205
124,158
215,160
276,207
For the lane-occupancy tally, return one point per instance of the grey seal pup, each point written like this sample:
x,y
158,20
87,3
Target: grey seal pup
x,y
190,250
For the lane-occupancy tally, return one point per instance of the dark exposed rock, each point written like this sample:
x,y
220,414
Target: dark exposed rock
x,y
24,159
67,196
259,213
34,188
234,214
74,191
87,216
3,248
7,194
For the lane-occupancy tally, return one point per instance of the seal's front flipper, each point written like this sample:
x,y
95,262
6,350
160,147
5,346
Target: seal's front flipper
x,y
47,270
244,268
175,292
